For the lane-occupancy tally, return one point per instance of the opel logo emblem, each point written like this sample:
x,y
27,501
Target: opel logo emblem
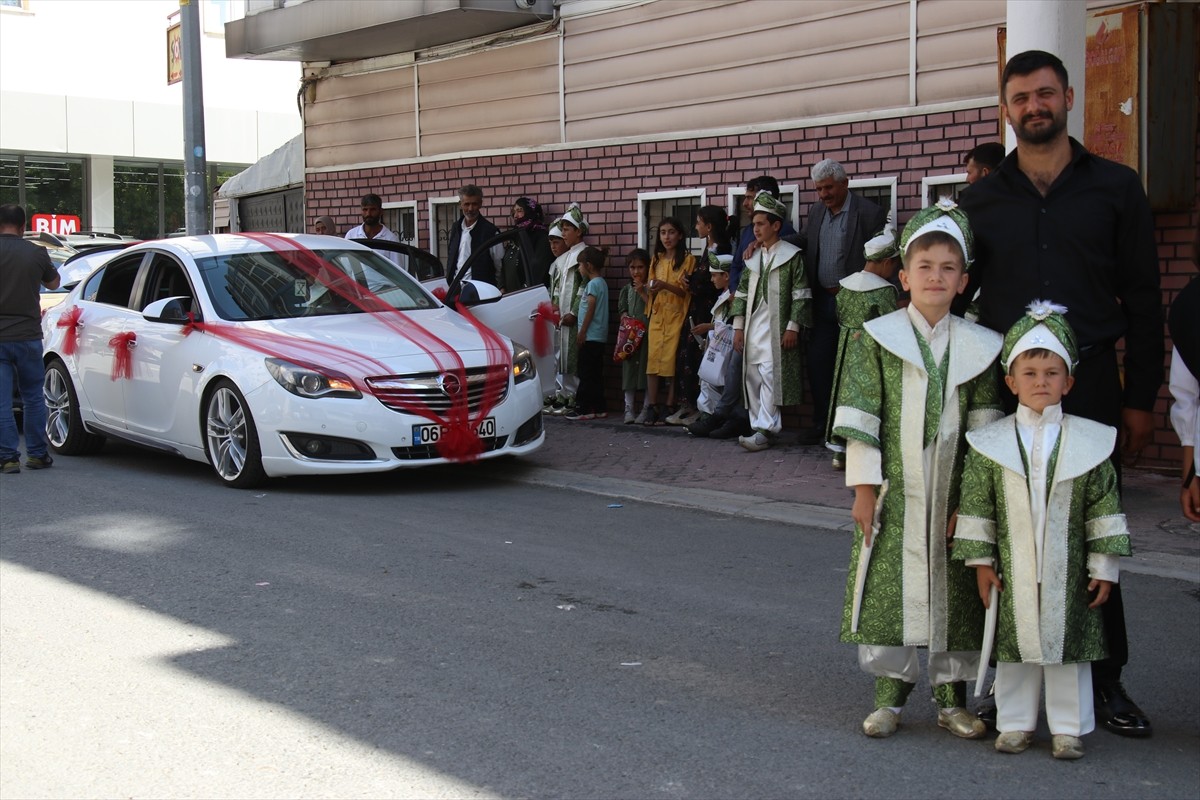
x,y
450,385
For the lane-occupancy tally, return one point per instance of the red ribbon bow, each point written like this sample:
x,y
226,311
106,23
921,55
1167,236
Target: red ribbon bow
x,y
122,345
546,312
70,321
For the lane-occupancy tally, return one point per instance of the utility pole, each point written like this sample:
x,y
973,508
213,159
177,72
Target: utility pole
x,y
195,162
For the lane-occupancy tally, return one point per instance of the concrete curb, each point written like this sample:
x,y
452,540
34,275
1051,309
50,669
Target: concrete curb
x,y
1161,565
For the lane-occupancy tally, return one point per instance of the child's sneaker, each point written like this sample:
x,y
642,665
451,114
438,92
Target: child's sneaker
x,y
678,417
644,416
39,462
630,417
755,442
10,467
574,413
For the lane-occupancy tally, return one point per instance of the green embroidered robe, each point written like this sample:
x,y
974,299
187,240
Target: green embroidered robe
x,y
864,296
789,300
1047,622
895,399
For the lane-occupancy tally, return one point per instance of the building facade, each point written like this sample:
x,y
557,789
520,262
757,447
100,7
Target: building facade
x,y
91,131
640,109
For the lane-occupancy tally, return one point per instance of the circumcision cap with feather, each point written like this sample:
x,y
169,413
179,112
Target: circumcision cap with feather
x,y
944,216
1043,327
574,215
718,263
765,201
882,245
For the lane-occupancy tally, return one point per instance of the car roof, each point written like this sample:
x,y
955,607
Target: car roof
x,y
229,243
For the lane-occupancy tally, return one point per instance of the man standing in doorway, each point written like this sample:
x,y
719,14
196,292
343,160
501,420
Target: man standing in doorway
x,y
1055,222
838,226
24,267
468,235
372,226
982,160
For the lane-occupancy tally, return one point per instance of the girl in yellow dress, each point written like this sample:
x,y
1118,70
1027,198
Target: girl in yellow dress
x,y
668,306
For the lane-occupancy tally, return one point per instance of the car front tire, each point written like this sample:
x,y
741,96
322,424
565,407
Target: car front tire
x,y
64,426
231,438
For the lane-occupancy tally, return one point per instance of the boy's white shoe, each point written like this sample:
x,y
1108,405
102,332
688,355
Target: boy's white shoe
x,y
755,442
1066,747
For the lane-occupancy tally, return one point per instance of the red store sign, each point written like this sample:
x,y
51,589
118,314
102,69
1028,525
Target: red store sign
x,y
59,224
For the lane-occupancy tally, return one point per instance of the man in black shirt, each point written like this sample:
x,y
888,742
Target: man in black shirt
x,y
1055,222
24,267
468,235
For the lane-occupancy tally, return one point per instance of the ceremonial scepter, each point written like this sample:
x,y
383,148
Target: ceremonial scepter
x,y
989,636
864,559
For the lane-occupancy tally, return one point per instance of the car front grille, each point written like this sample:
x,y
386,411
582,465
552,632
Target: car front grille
x,y
422,452
435,391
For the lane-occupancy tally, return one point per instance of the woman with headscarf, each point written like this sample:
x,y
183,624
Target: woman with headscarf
x,y
527,215
324,226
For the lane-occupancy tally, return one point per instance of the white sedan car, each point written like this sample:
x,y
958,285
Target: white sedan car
x,y
275,354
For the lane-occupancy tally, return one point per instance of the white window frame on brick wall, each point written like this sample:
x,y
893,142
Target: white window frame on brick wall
x,y
670,194
434,204
411,206
872,183
929,183
734,194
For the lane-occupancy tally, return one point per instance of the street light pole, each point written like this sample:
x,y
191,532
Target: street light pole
x,y
195,183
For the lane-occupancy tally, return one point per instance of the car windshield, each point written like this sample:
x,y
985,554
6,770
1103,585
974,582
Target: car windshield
x,y
269,285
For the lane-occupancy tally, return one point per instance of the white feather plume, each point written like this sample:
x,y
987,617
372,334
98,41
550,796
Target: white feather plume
x,y
1040,309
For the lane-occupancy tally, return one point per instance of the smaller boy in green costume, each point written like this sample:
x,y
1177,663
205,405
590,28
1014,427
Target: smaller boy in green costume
x,y
1040,520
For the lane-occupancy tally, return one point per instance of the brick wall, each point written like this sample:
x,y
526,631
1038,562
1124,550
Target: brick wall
x,y
605,180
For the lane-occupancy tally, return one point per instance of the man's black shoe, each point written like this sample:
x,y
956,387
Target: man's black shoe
x,y
1118,714
705,425
731,429
811,436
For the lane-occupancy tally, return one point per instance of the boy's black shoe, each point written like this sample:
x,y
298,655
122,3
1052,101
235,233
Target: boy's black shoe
x,y
705,425
1117,713
731,429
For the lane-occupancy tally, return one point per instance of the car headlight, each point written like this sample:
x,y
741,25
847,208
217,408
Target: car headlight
x,y
305,382
522,364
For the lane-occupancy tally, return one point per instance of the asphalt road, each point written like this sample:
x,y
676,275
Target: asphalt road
x,y
439,634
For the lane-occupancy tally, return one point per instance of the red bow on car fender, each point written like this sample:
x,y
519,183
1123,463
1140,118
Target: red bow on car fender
x,y
72,322
546,312
122,345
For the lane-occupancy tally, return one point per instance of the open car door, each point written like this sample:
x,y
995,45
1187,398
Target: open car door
x,y
513,313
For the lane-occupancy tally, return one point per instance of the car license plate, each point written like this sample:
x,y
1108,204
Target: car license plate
x,y
431,433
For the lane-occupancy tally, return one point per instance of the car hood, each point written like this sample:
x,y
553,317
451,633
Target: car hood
x,y
408,342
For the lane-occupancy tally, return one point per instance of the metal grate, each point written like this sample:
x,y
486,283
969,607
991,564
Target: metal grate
x,y
436,391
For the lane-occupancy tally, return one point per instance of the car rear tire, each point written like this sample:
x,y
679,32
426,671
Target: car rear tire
x,y
64,426
231,438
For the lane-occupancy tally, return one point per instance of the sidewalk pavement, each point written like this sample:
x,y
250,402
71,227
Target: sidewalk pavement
x,y
789,483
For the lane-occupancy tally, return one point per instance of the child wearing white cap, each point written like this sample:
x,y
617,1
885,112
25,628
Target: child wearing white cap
x,y
1041,520
722,317
913,384
864,295
565,289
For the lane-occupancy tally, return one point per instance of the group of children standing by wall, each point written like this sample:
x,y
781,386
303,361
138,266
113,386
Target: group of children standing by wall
x,y
961,513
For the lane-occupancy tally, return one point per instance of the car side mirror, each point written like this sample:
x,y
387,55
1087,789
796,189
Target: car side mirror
x,y
474,293
172,310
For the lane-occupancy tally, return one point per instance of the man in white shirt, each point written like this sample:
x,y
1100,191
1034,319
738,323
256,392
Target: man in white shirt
x,y
469,234
373,228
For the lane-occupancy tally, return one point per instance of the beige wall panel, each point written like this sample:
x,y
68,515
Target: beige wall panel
x,y
370,131
694,65
358,85
396,101
357,118
974,46
785,105
961,83
510,136
496,98
940,14
516,59
358,153
779,89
